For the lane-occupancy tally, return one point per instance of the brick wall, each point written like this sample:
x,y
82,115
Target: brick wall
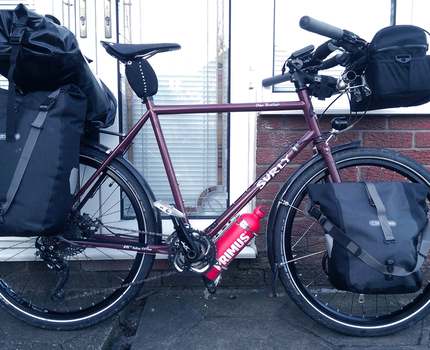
x,y
409,135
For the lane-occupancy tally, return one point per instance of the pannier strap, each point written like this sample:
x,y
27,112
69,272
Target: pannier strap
x,y
381,211
348,244
30,143
15,41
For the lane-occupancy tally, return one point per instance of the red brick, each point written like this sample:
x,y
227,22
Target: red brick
x,y
295,122
372,173
422,139
272,122
283,176
303,156
267,203
422,156
325,122
388,139
277,138
269,191
372,123
260,170
349,174
266,155
346,137
409,122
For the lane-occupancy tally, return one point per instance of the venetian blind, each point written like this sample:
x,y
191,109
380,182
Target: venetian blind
x,y
196,74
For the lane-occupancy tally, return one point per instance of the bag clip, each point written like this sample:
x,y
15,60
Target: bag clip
x,y
47,105
17,35
15,40
390,269
314,212
403,58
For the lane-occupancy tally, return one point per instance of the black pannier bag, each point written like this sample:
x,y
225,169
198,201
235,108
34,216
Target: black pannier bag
x,y
397,70
38,54
39,170
377,234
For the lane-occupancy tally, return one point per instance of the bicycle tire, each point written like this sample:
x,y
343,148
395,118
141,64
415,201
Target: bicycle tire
x,y
314,299
141,200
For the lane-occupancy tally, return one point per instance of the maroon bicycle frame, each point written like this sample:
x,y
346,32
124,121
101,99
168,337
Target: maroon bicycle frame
x,y
312,135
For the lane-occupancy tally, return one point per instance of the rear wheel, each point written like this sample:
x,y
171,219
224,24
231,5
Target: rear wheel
x,y
299,248
98,282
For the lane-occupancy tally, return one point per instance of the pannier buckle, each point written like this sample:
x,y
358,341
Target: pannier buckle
x,y
46,106
403,58
315,212
16,39
357,250
390,268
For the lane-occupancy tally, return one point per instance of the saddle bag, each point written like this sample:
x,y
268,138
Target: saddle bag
x,y
397,70
39,168
377,234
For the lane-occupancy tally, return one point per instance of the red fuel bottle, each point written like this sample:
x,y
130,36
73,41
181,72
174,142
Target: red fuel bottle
x,y
237,236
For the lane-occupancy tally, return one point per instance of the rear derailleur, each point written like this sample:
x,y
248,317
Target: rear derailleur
x,y
55,251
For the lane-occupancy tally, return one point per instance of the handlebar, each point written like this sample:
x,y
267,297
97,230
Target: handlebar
x,y
322,51
277,79
351,44
315,26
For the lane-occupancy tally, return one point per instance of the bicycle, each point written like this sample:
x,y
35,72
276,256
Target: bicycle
x,y
67,286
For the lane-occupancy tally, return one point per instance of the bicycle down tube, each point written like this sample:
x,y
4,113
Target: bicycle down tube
x,y
312,135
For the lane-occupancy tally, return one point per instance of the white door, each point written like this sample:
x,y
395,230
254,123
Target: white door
x,y
96,20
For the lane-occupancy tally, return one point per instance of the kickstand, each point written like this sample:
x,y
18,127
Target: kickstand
x,y
275,276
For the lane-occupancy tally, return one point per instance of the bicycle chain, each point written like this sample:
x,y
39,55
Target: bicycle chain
x,y
134,231
148,279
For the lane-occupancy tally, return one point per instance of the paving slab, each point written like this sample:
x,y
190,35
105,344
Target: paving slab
x,y
17,335
248,319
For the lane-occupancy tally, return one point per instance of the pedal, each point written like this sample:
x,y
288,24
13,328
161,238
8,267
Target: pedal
x,y
169,209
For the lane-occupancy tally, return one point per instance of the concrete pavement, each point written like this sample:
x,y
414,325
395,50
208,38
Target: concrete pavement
x,y
188,318
248,319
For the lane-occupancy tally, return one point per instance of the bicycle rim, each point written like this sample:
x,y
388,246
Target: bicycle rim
x,y
368,312
100,280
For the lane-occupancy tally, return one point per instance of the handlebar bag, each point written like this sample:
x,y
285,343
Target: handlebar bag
x,y
377,234
39,168
397,70
38,54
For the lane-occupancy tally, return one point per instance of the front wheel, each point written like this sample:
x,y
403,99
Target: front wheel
x,y
299,248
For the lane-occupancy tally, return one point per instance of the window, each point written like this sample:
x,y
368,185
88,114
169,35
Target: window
x,y
198,73
413,12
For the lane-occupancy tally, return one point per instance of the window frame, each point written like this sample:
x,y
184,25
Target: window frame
x,y
121,120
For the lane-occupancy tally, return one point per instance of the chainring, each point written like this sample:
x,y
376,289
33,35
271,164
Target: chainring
x,y
179,258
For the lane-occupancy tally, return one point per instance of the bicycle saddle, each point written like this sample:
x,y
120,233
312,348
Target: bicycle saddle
x,y
130,52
